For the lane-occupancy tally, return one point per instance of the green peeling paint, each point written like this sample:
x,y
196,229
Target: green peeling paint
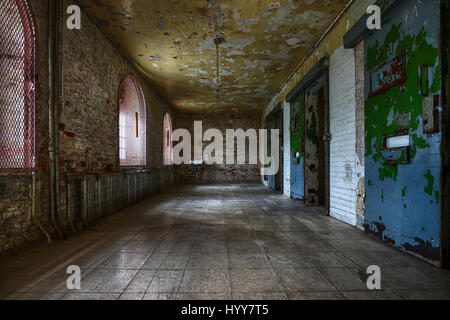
x,y
429,188
404,99
297,135
437,196
430,179
436,86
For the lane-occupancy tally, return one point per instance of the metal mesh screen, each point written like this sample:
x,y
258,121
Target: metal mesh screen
x,y
17,86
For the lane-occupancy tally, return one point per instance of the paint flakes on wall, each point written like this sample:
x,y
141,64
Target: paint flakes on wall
x,y
273,35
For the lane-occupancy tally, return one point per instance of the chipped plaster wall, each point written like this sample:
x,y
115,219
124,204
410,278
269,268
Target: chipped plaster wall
x,y
312,154
258,44
327,47
330,43
16,225
217,173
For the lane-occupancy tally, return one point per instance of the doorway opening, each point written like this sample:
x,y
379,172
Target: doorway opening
x,y
275,121
317,144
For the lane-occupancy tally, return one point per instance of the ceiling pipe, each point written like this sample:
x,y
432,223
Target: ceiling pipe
x,y
33,208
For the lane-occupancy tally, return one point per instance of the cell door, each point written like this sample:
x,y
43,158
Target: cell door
x,y
317,144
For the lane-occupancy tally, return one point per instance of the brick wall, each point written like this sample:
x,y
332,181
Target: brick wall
x,y
216,172
89,116
88,125
16,225
88,137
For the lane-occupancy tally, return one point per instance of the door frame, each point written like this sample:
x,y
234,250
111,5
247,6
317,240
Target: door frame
x,y
320,69
445,143
324,77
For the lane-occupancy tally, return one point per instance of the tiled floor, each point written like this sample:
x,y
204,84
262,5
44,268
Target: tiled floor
x,y
219,242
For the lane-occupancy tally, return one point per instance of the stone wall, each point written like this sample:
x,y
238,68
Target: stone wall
x,y
92,69
218,172
16,225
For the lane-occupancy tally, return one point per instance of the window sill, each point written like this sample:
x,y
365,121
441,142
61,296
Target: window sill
x,y
16,172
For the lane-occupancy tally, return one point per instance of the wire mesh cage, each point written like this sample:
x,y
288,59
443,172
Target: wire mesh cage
x,y
17,86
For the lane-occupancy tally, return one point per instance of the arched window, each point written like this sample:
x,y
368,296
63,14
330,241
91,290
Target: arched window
x,y
132,123
17,86
167,140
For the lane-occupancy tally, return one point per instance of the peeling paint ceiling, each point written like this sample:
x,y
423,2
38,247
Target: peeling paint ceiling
x,y
215,55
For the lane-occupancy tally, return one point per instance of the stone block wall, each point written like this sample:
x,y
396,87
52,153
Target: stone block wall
x,y
91,69
218,173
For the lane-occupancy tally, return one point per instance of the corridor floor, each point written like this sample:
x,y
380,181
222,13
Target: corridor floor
x,y
219,242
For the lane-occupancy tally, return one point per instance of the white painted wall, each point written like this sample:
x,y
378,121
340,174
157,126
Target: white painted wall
x,y
344,167
286,149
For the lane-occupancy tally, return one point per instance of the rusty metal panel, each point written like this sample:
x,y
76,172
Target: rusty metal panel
x,y
388,74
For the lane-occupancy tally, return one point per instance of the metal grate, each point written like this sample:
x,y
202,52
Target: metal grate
x,y
17,86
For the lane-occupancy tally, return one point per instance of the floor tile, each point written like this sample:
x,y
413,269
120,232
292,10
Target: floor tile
x,y
303,279
125,260
215,242
107,281
249,261
140,282
205,281
165,281
175,261
91,296
208,261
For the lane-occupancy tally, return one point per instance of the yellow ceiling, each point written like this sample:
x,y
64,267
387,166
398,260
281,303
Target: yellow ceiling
x,y
173,42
